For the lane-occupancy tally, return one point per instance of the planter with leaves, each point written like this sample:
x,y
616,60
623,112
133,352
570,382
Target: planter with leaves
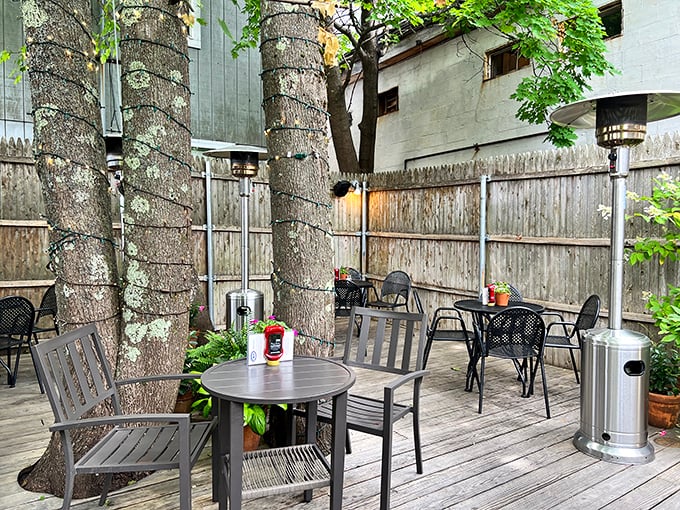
x,y
224,346
502,293
664,391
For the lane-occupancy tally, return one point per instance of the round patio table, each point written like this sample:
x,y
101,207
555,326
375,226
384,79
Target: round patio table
x,y
480,314
301,467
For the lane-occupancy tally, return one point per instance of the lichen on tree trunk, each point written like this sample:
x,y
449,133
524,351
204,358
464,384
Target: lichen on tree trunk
x,y
294,92
70,161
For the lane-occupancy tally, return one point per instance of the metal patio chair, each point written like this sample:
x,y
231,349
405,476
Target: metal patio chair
x,y
564,338
47,311
517,334
78,379
394,292
447,326
347,295
392,343
16,324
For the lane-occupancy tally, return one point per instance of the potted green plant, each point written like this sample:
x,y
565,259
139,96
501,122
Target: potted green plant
x,y
501,292
664,392
227,345
344,273
661,209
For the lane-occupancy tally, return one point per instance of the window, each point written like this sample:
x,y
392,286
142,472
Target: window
x,y
612,19
388,102
503,61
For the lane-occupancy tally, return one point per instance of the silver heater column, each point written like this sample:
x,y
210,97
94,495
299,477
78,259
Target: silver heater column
x,y
243,304
614,376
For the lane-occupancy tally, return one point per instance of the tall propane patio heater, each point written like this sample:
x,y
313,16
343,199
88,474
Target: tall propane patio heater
x,y
614,375
244,303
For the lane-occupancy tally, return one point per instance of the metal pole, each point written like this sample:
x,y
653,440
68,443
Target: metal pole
x,y
364,227
618,171
244,191
482,233
208,239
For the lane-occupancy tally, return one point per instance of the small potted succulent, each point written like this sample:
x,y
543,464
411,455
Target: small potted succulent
x,y
344,273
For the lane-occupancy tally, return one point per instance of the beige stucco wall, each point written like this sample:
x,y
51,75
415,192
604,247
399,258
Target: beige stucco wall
x,y
446,108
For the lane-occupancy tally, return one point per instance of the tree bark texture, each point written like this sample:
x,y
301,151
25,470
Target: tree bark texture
x,y
340,123
70,160
368,54
294,91
158,263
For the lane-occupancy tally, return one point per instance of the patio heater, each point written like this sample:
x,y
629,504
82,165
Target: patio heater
x,y
614,376
243,304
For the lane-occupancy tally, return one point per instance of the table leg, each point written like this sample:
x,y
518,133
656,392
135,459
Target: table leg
x,y
233,437
311,424
339,424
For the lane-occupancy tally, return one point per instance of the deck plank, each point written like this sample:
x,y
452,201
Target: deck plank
x,y
509,457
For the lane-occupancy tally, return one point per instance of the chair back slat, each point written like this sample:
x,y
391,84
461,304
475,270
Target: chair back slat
x,y
587,317
76,374
388,341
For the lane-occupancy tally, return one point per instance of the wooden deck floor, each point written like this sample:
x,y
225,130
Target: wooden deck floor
x,y
509,457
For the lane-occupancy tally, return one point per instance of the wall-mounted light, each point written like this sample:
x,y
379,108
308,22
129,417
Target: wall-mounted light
x,y
341,188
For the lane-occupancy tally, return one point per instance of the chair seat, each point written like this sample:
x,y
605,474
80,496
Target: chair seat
x,y
560,341
384,304
364,414
126,449
452,335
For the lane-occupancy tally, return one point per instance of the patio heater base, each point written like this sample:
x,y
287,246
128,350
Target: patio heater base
x,y
614,387
614,454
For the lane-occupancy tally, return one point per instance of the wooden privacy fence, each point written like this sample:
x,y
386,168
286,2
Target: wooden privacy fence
x,y
544,231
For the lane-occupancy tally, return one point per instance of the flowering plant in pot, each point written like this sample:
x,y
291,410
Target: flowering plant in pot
x,y
664,392
501,292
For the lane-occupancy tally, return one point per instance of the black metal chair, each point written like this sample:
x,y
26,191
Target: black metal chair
x,y
447,326
78,379
515,294
354,274
587,318
47,311
347,295
394,292
393,343
16,324
517,334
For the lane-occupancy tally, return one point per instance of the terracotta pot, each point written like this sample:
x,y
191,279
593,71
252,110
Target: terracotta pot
x,y
502,299
251,439
183,404
663,410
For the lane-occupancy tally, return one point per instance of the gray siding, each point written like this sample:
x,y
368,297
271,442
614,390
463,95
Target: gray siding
x,y
226,100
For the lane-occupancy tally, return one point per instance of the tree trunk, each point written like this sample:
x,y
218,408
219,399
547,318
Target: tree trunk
x,y
340,122
368,54
70,161
294,87
158,265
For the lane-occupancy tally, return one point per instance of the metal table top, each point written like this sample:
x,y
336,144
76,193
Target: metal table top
x,y
303,379
476,306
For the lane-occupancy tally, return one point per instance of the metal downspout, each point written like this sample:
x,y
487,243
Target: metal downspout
x,y
482,233
364,227
208,241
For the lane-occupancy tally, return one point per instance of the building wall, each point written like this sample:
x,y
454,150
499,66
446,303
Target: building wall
x,y
226,92
448,113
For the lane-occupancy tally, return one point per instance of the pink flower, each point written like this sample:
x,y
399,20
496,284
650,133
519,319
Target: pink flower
x,y
662,433
272,317
201,308
295,332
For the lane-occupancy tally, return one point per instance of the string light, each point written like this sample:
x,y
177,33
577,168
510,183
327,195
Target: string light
x,y
141,41
157,149
302,222
155,109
